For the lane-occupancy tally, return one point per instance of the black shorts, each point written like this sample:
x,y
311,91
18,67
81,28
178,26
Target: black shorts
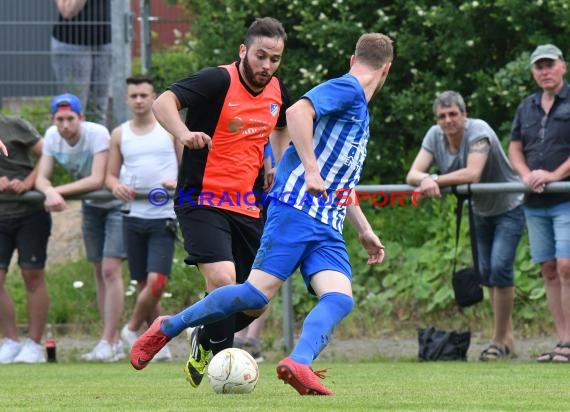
x,y
29,235
149,244
216,235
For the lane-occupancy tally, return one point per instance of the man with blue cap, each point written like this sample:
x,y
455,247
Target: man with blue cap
x,y
82,148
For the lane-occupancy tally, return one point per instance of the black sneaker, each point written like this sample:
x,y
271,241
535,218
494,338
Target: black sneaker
x,y
198,359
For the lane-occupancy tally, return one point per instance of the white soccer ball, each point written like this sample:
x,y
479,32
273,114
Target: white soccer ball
x,y
233,370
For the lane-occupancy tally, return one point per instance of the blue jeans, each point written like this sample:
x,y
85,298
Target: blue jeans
x,y
102,232
497,240
549,231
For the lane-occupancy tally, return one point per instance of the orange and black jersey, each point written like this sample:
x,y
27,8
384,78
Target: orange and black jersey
x,y
239,121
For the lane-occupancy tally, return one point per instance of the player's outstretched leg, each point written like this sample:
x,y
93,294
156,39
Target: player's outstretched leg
x,y
303,378
148,344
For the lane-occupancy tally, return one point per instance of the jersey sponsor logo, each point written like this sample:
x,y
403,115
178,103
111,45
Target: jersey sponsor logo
x,y
235,124
249,127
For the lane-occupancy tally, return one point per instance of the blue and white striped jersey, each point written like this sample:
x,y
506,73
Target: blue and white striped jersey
x,y
340,135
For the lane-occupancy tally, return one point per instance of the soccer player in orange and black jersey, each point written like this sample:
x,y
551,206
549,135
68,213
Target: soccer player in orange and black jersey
x,y
232,111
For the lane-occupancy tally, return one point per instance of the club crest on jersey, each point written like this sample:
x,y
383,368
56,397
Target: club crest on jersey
x,y
273,109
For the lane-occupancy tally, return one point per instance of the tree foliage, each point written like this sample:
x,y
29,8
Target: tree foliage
x,y
479,48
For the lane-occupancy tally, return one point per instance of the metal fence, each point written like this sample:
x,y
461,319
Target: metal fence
x,y
555,187
26,30
27,75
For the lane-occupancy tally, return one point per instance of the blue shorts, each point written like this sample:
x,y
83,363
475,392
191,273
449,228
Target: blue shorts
x,y
149,244
292,239
497,241
102,232
549,231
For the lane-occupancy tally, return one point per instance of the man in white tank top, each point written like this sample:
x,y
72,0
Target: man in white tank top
x,y
145,157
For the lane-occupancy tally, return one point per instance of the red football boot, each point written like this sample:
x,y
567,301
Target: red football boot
x,y
302,377
148,344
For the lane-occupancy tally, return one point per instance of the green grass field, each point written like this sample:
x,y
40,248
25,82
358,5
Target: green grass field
x,y
409,386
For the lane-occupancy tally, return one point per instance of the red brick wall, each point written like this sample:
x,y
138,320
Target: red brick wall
x,y
167,19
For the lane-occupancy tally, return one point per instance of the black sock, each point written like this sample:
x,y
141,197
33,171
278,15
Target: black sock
x,y
203,338
221,334
243,320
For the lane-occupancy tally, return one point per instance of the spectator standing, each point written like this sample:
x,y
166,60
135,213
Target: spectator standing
x,y
24,227
143,150
81,53
232,111
82,148
467,150
540,153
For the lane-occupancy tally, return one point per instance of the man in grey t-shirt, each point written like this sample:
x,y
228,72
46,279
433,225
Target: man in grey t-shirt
x,y
468,151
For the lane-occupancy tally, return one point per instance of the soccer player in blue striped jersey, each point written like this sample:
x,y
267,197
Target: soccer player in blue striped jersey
x,y
329,130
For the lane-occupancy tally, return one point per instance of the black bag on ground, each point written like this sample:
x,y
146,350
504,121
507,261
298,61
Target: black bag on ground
x,y
437,344
466,282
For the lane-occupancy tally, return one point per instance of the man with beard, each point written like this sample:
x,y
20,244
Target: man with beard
x,y
232,111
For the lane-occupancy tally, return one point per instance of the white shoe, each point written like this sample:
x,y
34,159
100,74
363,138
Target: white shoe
x,y
163,355
31,352
128,336
9,350
103,352
189,330
119,350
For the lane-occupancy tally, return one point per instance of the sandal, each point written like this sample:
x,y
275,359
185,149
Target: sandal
x,y
559,357
550,356
495,352
545,357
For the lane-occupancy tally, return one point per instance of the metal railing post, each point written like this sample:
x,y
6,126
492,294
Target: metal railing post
x,y
144,21
287,297
122,36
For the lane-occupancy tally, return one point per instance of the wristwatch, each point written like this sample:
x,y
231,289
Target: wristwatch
x,y
434,177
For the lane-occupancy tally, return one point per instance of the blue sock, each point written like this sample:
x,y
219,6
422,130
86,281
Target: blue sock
x,y
218,305
319,325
